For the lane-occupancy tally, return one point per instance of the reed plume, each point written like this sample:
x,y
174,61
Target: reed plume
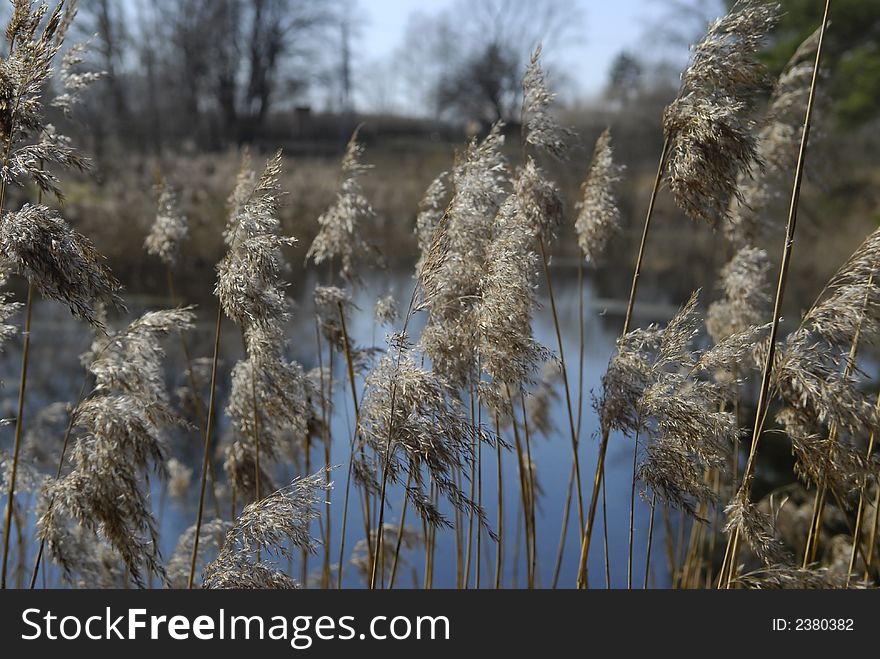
x,y
745,284
332,304
248,284
656,390
431,210
778,141
395,539
757,528
598,214
412,419
506,349
122,437
62,264
268,405
542,130
212,533
386,311
451,278
729,567
74,80
709,125
781,577
340,237
274,525
169,229
827,413
29,143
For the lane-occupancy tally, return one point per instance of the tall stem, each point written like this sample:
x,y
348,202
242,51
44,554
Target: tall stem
x,y
605,538
257,493
198,403
470,533
401,529
525,490
763,402
349,361
563,534
819,506
869,557
480,506
64,446
533,489
19,422
389,448
560,551
859,513
326,394
206,458
386,469
650,540
568,404
583,577
632,515
499,553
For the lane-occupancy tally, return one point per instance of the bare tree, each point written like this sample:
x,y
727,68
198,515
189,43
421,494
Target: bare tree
x,y
103,24
469,60
486,87
625,78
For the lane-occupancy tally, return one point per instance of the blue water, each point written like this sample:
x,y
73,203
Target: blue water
x,y
57,342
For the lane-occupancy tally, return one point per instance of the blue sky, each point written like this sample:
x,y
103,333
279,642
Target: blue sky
x,y
607,27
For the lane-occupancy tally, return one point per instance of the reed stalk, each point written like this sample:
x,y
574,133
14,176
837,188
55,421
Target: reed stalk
x,y
583,577
349,361
325,422
206,457
763,397
819,503
479,505
64,444
386,466
568,403
499,552
474,443
605,538
560,551
650,540
632,512
198,403
872,540
525,491
580,408
19,423
401,527
533,491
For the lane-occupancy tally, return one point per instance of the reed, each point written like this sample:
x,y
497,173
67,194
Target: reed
x,y
473,383
729,568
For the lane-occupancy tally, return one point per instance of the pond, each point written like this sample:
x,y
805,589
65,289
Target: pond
x,y
56,374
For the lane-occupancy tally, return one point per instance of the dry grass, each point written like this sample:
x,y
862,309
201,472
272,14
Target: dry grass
x,y
460,385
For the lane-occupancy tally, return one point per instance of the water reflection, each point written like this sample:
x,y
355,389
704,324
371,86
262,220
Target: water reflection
x,y
56,374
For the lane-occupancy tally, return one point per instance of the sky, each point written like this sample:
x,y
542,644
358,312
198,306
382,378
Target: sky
x,y
606,27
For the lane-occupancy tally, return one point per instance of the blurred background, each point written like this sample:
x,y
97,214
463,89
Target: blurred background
x,y
191,82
